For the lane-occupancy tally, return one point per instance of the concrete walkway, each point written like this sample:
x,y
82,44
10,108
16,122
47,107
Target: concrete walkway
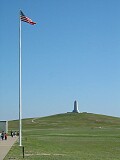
x,y
5,146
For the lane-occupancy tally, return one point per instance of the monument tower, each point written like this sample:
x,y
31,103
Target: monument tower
x,y
76,110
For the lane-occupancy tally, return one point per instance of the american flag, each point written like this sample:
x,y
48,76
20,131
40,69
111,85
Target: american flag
x,y
26,19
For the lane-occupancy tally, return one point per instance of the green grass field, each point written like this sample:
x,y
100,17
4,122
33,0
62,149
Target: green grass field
x,y
69,136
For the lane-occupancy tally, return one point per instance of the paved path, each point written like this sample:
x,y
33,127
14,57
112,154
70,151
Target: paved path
x,y
5,146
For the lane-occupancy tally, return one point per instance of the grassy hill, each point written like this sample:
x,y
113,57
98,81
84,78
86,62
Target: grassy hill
x,y
69,136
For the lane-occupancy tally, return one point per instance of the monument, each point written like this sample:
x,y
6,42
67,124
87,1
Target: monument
x,y
76,107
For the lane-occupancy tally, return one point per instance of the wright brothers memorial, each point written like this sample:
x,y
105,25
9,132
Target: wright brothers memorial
x,y
76,110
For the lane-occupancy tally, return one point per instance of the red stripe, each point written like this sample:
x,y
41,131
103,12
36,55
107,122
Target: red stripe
x,y
27,20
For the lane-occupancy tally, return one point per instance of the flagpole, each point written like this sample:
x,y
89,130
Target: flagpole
x,y
22,17
20,85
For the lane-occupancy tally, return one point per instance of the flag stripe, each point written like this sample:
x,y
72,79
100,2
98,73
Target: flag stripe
x,y
26,19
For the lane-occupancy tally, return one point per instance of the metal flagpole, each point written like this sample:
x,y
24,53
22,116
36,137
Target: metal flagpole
x,y
22,17
20,85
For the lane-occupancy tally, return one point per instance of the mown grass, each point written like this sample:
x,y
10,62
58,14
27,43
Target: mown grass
x,y
68,137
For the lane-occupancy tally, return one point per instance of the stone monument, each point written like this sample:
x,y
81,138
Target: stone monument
x,y
76,107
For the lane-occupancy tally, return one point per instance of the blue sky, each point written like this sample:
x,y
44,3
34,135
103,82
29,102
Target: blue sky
x,y
72,53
